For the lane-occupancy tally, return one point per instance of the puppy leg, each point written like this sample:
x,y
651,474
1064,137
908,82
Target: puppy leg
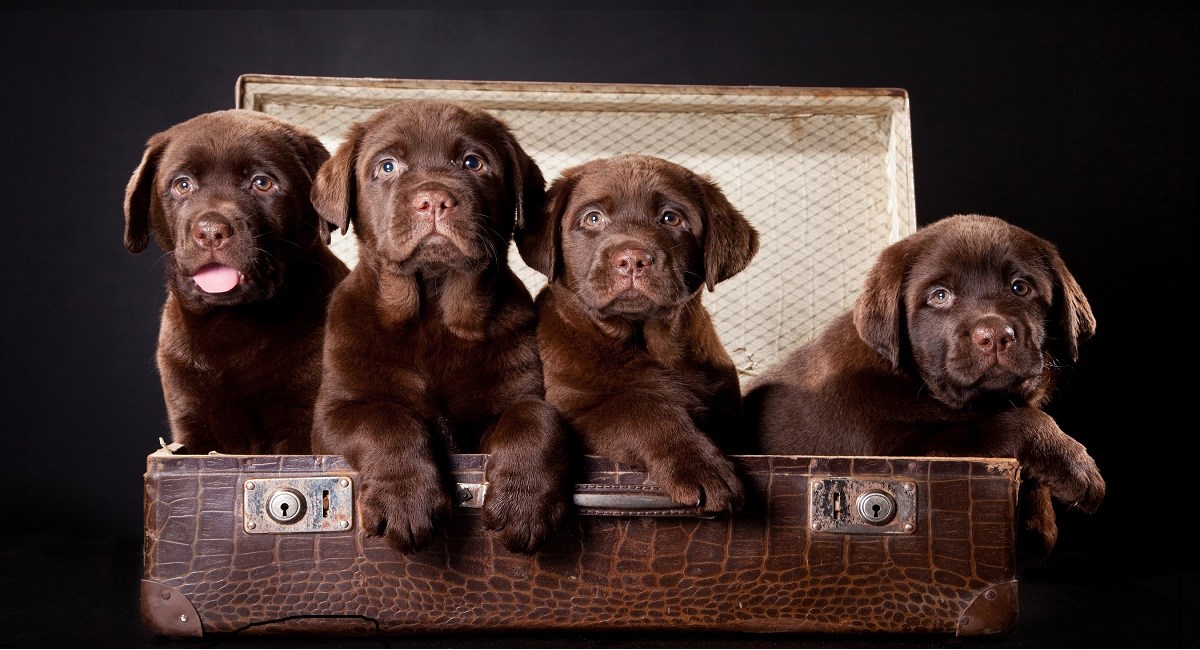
x,y
527,471
642,430
1038,531
287,429
403,496
191,411
1046,453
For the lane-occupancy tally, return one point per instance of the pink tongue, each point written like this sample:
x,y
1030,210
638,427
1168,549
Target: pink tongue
x,y
216,278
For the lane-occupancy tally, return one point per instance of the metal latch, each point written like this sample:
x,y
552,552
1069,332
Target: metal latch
x,y
321,504
863,505
470,495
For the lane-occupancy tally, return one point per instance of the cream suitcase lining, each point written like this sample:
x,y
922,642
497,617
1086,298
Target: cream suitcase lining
x,y
824,174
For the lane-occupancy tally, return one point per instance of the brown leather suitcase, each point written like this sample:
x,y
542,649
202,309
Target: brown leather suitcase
x,y
825,544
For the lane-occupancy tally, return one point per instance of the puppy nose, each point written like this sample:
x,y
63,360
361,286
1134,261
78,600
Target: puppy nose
x,y
211,231
632,261
432,204
993,335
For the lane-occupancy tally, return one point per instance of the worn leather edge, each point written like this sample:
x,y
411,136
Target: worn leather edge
x,y
167,612
994,611
339,625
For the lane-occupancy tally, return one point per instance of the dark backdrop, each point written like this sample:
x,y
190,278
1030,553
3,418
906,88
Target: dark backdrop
x,y
1073,120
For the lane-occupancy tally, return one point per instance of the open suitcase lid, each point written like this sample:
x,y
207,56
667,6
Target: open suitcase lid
x,y
824,174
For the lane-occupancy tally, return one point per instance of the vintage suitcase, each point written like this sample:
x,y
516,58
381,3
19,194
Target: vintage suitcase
x,y
271,544
825,544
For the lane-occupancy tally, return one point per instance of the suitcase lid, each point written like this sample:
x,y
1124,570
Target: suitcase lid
x,y
824,174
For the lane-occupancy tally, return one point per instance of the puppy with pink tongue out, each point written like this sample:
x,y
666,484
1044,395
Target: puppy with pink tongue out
x,y
217,278
248,275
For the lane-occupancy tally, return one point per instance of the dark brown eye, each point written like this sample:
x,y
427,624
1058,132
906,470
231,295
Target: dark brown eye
x,y
387,167
473,162
671,218
593,219
262,183
940,297
182,185
1021,288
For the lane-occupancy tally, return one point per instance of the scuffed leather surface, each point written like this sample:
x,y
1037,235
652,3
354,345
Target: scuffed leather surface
x,y
762,570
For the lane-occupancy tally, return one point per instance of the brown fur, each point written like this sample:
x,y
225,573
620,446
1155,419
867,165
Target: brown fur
x,y
239,369
905,374
430,343
631,357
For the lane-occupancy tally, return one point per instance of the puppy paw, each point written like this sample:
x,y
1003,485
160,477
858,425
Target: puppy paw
x,y
1072,476
707,479
406,511
523,508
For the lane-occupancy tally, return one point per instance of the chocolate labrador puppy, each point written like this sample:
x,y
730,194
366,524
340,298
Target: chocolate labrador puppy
x,y
430,342
630,353
951,349
248,276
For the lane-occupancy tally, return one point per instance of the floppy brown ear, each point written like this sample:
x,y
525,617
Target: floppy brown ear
x,y
529,186
334,192
879,307
138,195
312,154
730,242
539,236
1074,319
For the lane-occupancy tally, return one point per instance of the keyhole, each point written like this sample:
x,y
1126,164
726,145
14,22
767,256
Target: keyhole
x,y
876,507
286,506
837,505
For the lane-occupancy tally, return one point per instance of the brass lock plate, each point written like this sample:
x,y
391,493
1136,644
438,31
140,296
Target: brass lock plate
x,y
320,504
862,505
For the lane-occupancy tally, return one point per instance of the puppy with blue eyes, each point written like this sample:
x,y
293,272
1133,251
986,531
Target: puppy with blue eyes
x,y
631,358
952,348
430,344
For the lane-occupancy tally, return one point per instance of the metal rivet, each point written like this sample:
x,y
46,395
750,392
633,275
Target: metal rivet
x,y
816,526
166,594
251,525
344,524
818,485
464,495
344,482
990,594
183,618
249,485
909,487
908,528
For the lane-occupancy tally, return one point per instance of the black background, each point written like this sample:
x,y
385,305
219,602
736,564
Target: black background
x,y
1076,121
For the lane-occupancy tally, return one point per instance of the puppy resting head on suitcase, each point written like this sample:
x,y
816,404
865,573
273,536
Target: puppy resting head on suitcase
x,y
951,349
631,356
248,275
430,343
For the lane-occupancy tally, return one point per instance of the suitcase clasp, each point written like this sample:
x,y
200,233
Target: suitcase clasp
x,y
862,505
319,504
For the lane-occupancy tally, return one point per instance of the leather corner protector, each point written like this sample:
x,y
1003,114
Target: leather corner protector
x,y
994,611
167,612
